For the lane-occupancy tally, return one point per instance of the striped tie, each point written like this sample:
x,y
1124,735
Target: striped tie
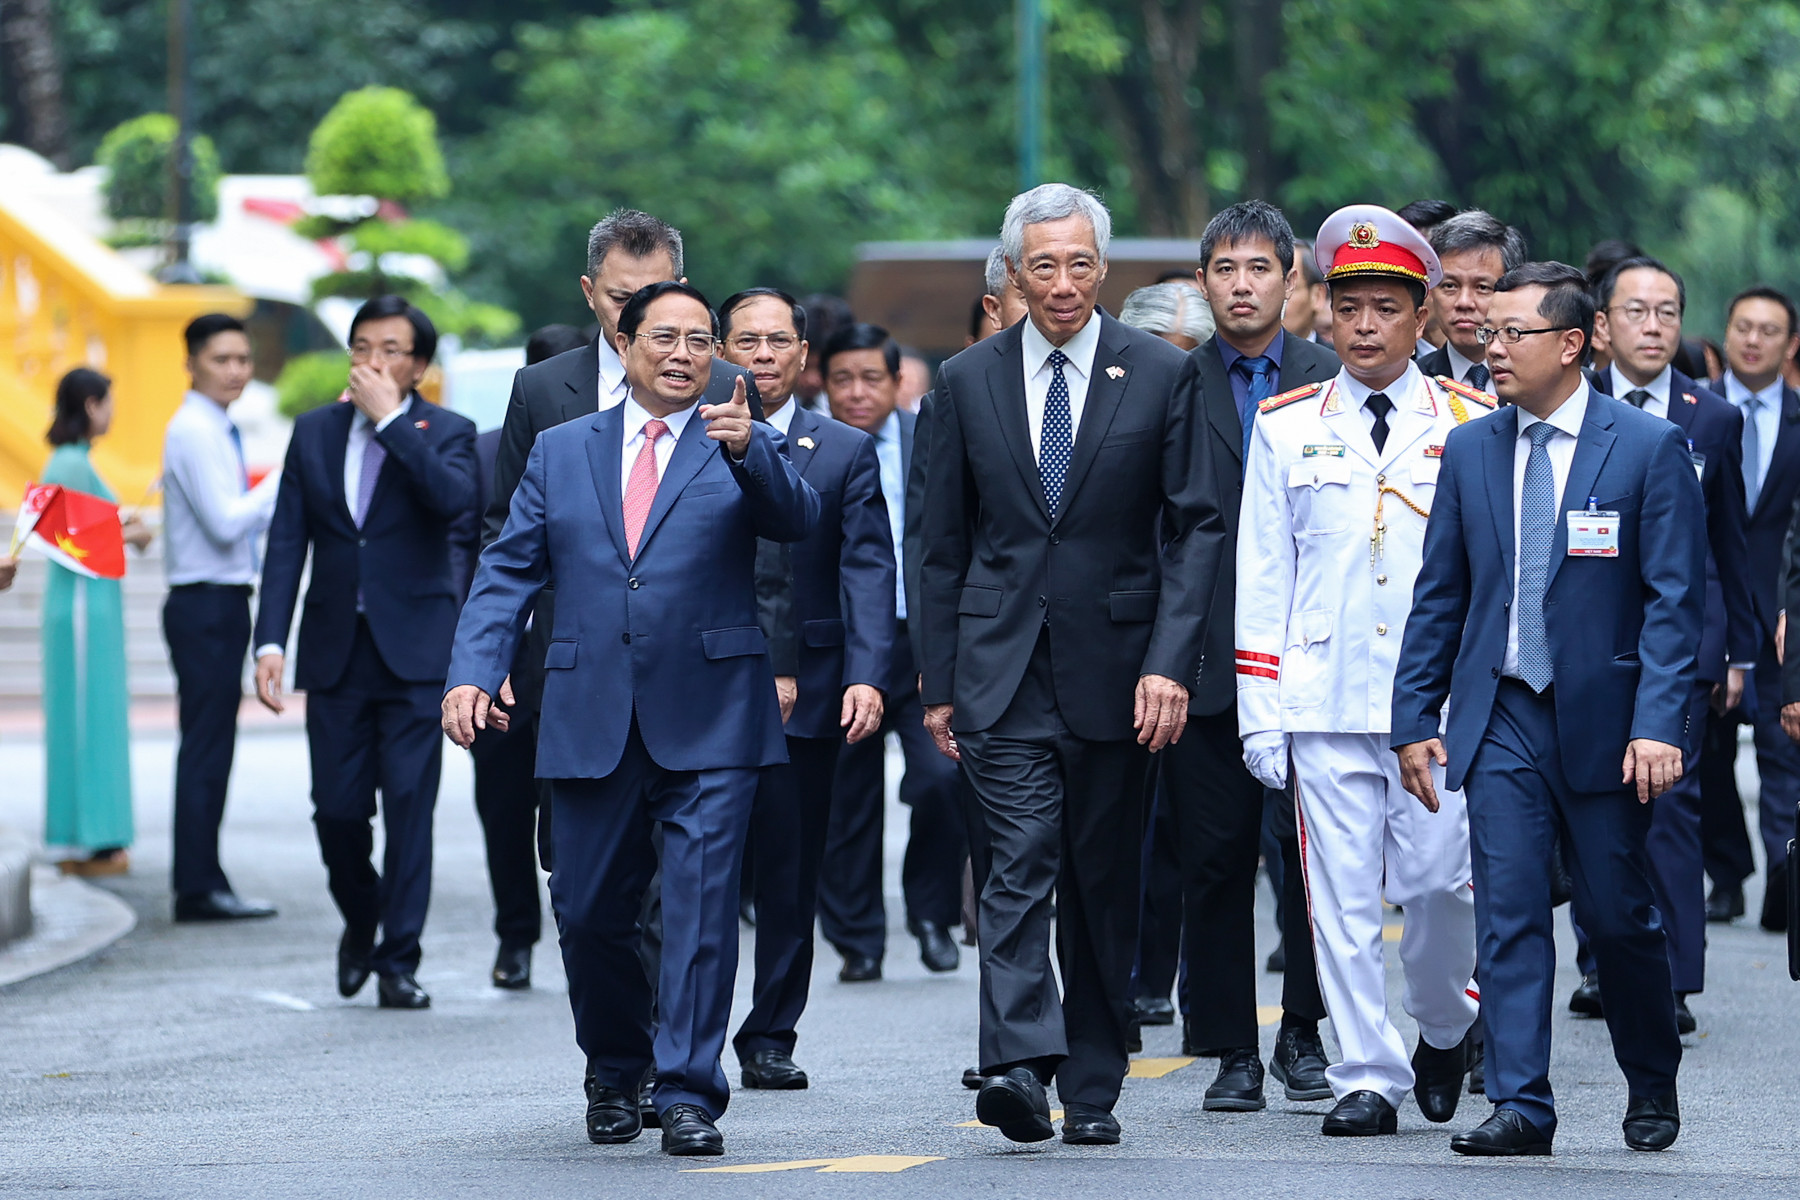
x,y
640,491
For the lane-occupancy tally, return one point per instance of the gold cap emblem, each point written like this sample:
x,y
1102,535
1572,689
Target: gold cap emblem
x,y
1363,236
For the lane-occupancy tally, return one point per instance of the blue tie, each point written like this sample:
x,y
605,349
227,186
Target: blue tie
x,y
1537,533
237,443
1261,371
1752,452
1057,441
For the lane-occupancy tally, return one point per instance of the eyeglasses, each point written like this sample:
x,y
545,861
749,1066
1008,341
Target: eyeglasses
x,y
663,341
1638,314
1511,334
362,351
780,343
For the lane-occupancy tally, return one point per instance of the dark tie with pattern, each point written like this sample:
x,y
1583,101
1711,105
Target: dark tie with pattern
x,y
1637,397
1381,406
1477,376
1261,374
1057,441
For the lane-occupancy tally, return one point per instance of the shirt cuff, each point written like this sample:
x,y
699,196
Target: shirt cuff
x,y
390,418
1743,666
271,648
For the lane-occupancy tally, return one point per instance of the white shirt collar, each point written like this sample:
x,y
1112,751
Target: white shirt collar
x,y
1459,366
637,416
214,411
1568,418
890,428
361,420
612,370
783,417
1738,392
1079,350
1403,391
1658,387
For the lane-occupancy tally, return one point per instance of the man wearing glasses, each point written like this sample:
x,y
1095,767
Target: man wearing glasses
x,y
371,486
659,700
1640,309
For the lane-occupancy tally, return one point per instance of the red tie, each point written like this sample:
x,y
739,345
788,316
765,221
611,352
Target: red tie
x,y
640,491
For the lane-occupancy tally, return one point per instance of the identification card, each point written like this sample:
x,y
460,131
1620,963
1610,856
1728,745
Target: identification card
x,y
1325,451
1593,534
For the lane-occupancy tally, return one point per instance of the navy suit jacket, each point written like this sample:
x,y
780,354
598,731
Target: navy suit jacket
x,y
1766,533
400,558
1623,631
670,637
844,573
1716,429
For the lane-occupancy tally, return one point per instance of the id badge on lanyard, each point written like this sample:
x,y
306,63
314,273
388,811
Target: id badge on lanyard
x,y
1593,533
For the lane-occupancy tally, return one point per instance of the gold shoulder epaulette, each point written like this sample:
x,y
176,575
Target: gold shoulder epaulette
x,y
1468,392
1286,398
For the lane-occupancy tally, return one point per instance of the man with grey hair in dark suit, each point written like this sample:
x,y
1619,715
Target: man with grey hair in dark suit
x,y
1072,537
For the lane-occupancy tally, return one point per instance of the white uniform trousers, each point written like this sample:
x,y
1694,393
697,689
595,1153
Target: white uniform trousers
x,y
1364,836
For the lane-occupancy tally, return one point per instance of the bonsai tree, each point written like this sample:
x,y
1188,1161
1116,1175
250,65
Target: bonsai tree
x,y
136,155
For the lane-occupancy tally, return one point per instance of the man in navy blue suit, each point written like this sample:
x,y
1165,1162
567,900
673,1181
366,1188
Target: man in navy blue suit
x,y
372,486
659,702
1761,333
1560,603
844,579
1641,304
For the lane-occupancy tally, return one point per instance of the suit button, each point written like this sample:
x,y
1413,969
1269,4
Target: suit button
x,y
362,541
632,583
1381,579
1381,629
1496,672
1055,540
626,638
1040,602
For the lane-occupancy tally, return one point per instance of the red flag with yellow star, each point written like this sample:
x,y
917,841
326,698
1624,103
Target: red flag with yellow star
x,y
73,529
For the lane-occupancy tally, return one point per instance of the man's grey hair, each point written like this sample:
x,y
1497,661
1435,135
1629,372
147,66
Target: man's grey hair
x,y
1169,308
637,234
994,274
1473,229
1051,202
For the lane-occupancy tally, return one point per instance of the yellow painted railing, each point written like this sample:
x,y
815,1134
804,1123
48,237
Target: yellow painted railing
x,y
67,300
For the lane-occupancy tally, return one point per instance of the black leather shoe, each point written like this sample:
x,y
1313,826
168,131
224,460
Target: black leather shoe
x,y
1084,1125
859,968
1586,998
972,1078
1478,1069
1684,1018
612,1117
1299,1064
1774,912
773,1070
646,1105
1360,1114
401,990
937,949
512,967
353,962
1015,1104
1506,1134
687,1132
1438,1078
1277,964
1153,1010
1726,904
1652,1124
1238,1087
221,906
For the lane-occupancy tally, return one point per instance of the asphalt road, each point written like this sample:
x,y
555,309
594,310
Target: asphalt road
x,y
204,1061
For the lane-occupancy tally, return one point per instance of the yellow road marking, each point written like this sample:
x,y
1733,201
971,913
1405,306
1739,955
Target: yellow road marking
x,y
1056,1114
1155,1068
884,1164
1268,1014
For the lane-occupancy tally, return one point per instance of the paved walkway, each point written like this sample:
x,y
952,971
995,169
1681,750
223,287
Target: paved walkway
x,y
192,1061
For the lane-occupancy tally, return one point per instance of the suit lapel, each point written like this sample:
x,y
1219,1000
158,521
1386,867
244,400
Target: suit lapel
x,y
909,423
1346,423
581,388
605,451
337,448
1596,443
1221,400
1497,467
1006,392
691,453
1105,390
802,426
1787,448
1680,411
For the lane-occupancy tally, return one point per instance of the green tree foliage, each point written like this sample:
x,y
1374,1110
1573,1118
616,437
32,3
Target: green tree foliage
x,y
136,155
309,381
377,141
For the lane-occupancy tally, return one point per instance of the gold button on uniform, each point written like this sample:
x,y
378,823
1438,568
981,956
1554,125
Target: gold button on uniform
x,y
1381,579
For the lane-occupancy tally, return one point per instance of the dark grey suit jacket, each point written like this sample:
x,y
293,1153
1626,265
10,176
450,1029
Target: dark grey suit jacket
x,y
1209,390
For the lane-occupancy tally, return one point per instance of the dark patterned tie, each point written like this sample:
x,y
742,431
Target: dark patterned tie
x,y
1637,396
1381,406
1477,377
1537,534
1057,441
1261,373
374,454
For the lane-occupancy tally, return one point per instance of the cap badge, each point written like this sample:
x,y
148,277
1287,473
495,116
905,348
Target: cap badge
x,y
1363,236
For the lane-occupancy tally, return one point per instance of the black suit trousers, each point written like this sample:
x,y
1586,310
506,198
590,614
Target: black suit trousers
x,y
506,800
207,627
376,731
1063,817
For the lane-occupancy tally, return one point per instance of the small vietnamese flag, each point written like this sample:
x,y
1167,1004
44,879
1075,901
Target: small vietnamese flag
x,y
73,529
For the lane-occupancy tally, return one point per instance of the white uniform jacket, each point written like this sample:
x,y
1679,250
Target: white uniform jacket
x,y
1330,537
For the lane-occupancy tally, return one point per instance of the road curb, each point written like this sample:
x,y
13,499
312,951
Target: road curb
x,y
71,920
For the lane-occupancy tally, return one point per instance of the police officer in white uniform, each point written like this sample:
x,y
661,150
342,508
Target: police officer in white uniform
x,y
1338,485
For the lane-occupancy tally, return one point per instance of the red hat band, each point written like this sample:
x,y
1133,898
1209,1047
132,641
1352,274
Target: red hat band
x,y
1366,255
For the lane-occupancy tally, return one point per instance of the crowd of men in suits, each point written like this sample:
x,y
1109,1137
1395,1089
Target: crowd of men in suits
x,y
1147,607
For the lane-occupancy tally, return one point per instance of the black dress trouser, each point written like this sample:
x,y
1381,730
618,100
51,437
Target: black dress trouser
x,y
207,626
506,800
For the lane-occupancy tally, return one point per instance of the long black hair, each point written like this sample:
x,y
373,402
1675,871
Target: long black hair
x,y
72,395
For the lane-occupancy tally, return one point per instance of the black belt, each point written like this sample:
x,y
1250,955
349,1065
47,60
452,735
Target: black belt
x,y
240,589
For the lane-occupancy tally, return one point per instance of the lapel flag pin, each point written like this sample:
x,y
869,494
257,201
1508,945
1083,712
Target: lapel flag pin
x,y
421,424
807,443
1115,372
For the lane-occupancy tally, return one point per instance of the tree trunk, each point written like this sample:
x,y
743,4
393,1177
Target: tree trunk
x,y
1172,42
28,42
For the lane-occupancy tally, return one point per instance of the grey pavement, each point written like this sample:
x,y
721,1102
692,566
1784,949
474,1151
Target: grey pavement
x,y
200,1061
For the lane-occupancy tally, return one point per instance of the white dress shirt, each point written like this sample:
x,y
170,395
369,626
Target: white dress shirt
x,y
1561,448
613,386
782,418
893,490
636,417
1768,422
362,432
1077,372
211,519
1459,366
1404,392
1658,403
